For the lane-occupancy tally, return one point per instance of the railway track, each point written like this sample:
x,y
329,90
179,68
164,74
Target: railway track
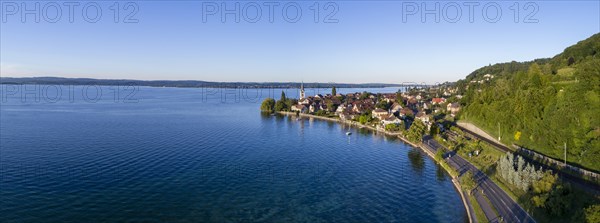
x,y
591,187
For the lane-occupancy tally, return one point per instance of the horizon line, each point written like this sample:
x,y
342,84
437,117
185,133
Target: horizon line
x,y
227,82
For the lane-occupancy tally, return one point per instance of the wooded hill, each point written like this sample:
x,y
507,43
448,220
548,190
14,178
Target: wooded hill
x,y
542,104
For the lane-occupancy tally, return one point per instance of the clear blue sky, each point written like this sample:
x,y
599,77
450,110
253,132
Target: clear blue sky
x,y
369,43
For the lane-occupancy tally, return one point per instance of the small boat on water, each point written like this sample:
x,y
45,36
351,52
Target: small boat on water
x,y
348,133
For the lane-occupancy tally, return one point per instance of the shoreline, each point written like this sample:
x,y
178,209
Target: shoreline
x,y
67,81
454,179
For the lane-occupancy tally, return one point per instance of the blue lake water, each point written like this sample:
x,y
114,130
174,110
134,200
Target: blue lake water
x,y
202,155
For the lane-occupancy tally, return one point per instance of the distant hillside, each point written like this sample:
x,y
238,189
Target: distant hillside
x,y
184,83
542,104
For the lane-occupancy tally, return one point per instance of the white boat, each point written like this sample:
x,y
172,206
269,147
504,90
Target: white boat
x,y
348,133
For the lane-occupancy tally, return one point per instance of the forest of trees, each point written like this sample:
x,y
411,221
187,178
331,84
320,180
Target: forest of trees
x,y
523,175
542,104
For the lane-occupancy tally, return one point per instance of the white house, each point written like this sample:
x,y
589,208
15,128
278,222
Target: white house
x,y
378,113
299,108
395,108
453,108
343,108
391,119
304,101
423,117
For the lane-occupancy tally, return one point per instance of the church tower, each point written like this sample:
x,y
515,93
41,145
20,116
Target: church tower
x,y
302,91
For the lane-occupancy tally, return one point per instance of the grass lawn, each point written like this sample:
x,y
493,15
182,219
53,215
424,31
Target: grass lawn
x,y
486,160
566,72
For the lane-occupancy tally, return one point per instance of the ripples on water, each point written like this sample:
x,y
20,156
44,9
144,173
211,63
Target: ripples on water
x,y
178,156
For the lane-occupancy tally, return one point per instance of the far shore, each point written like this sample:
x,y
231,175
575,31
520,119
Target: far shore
x,y
184,83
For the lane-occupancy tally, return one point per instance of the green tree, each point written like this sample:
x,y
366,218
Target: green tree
x,y
280,106
467,182
542,189
321,113
290,102
439,154
364,95
392,127
333,91
592,214
283,98
434,130
416,131
523,175
383,105
330,106
268,105
365,118
559,200
571,61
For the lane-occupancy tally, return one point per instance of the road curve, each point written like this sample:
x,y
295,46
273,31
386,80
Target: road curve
x,y
583,184
507,208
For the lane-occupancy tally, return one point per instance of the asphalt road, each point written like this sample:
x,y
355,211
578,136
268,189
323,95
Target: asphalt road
x,y
508,210
488,210
583,184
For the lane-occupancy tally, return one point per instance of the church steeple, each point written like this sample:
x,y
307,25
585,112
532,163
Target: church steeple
x,y
302,90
